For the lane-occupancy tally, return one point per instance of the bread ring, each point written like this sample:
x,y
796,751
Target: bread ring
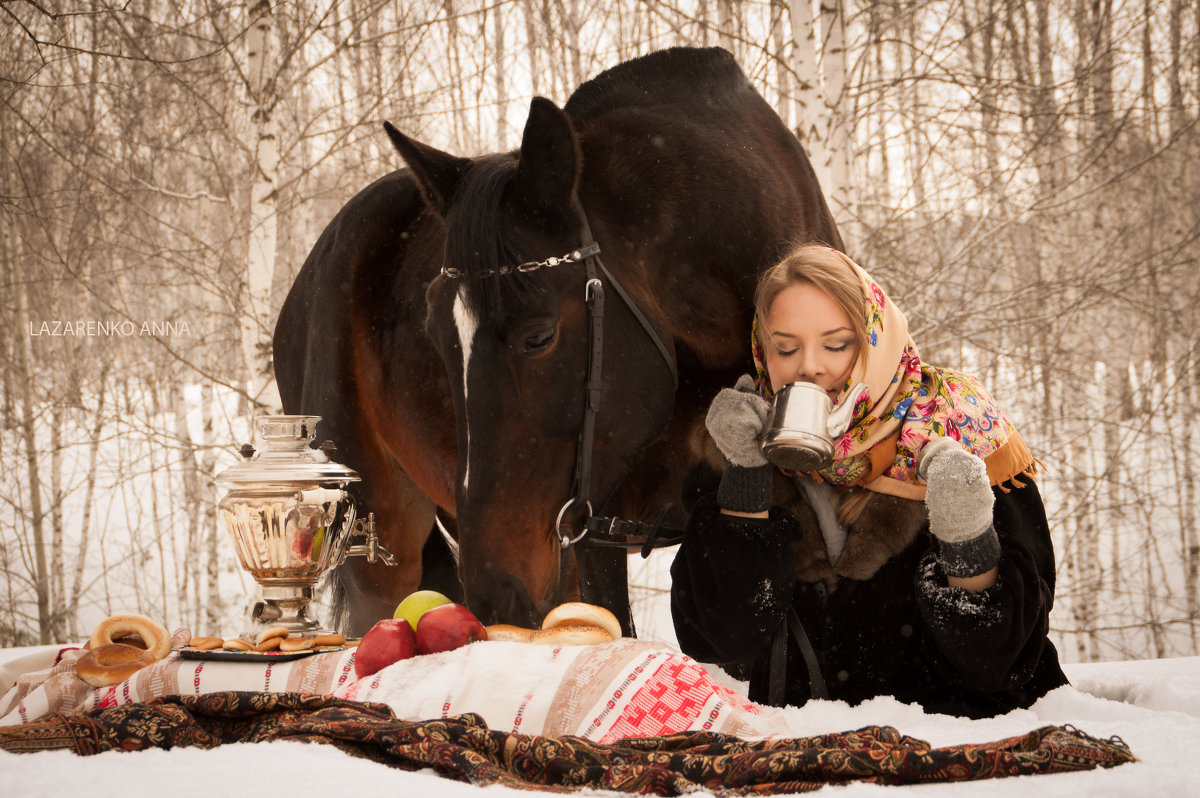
x,y
270,644
504,631
329,640
274,631
111,664
158,642
295,643
236,644
576,613
574,635
206,643
132,640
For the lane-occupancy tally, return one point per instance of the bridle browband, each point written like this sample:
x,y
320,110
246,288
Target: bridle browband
x,y
604,532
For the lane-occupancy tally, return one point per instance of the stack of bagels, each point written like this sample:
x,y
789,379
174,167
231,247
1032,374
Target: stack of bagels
x,y
572,624
274,639
120,646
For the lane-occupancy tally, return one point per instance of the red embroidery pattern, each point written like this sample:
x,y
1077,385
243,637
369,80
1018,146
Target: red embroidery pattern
x,y
267,678
346,671
108,698
712,716
611,704
196,678
529,697
672,698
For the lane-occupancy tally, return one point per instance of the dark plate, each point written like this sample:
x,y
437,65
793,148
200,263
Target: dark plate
x,y
251,656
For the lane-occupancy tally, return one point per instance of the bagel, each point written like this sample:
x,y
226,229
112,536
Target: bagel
x,y
504,631
158,642
576,613
111,664
132,640
206,643
274,631
236,644
572,635
270,644
295,643
329,640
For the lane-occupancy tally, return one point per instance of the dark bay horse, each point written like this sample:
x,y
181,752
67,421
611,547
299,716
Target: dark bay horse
x,y
451,379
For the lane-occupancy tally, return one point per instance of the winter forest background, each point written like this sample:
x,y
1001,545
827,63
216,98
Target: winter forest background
x,y
1021,176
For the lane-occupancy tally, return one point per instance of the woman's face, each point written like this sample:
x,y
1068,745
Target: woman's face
x,y
809,339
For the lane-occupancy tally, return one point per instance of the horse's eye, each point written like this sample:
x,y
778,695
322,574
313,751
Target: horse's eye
x,y
539,341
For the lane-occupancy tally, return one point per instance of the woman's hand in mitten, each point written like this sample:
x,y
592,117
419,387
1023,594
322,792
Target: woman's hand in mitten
x,y
959,499
735,420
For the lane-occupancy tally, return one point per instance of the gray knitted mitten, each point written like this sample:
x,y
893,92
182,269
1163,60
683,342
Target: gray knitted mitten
x,y
735,420
959,500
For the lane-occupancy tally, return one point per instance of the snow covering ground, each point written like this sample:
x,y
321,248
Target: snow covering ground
x,y
1153,705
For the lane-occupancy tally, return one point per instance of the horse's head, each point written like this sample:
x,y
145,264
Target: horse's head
x,y
516,350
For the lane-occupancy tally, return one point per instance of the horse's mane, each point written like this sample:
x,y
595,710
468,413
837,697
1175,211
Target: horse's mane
x,y
478,243
661,77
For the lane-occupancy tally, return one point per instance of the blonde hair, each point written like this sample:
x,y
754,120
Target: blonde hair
x,y
827,269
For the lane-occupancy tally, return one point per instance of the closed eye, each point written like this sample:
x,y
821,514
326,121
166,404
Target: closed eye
x,y
539,340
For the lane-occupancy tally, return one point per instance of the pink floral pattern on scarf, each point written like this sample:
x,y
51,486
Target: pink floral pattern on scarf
x,y
921,401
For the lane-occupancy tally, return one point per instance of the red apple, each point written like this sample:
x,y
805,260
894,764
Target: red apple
x,y
447,627
390,640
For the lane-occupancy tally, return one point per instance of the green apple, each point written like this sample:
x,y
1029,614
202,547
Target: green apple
x,y
415,605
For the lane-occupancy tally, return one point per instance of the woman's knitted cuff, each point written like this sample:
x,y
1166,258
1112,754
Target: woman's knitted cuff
x,y
745,489
970,557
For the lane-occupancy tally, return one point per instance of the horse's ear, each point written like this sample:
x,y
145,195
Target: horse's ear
x,y
548,167
437,172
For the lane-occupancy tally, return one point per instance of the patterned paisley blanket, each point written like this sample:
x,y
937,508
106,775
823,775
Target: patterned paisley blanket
x,y
463,747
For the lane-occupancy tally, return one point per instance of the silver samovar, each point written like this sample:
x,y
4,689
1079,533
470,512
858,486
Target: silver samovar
x,y
291,521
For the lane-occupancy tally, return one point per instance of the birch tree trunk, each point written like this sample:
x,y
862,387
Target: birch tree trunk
x,y
89,493
24,357
531,44
1048,154
810,100
501,89
214,606
264,164
779,44
883,189
1186,464
839,150
725,24
57,594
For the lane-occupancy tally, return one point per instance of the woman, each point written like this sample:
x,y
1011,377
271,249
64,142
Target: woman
x,y
917,565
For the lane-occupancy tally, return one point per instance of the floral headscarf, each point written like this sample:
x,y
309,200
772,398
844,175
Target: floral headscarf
x,y
907,404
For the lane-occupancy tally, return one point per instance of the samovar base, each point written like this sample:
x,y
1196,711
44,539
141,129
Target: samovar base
x,y
287,607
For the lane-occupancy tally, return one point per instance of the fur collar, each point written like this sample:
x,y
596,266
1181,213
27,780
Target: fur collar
x,y
878,527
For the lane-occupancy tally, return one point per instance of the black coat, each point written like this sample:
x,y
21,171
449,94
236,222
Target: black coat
x,y
883,621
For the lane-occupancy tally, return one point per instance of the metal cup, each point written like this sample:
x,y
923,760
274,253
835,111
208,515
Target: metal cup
x,y
802,425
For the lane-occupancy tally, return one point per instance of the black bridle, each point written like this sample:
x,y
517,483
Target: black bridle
x,y
612,531
600,531
615,532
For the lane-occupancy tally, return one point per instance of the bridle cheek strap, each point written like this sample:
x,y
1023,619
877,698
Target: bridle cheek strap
x,y
594,297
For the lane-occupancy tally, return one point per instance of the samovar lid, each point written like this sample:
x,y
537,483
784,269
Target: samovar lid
x,y
285,454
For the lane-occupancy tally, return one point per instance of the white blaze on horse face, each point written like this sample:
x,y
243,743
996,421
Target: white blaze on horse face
x,y
466,324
